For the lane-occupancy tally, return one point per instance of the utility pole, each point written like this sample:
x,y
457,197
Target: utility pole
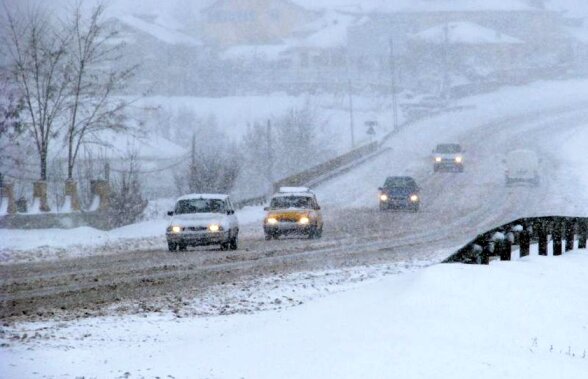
x,y
270,158
445,84
393,84
351,114
192,178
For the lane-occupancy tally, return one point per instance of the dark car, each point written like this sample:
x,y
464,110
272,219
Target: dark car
x,y
400,192
448,157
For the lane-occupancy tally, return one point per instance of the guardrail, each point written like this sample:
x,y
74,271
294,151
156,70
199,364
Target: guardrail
x,y
499,242
314,172
337,165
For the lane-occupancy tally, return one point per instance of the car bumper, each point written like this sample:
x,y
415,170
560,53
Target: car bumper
x,y
448,164
198,238
288,228
399,204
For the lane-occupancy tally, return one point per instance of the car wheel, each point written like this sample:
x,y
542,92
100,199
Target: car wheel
x,y
268,236
182,246
224,246
172,246
233,244
319,233
435,168
460,169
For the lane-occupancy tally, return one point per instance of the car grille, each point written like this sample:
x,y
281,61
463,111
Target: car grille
x,y
196,228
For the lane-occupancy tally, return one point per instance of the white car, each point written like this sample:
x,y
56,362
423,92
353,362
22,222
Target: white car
x,y
203,219
522,166
448,156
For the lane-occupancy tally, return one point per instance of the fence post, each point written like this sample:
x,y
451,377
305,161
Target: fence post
x,y
556,236
570,234
7,195
40,194
525,242
542,235
583,234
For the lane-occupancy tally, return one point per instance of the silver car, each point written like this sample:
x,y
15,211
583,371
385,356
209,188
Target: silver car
x,y
203,219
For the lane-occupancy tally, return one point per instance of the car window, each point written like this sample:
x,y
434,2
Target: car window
x,y
448,149
282,202
200,206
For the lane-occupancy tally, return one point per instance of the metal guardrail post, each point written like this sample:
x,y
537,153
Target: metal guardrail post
x,y
525,242
556,236
503,248
570,234
583,234
542,236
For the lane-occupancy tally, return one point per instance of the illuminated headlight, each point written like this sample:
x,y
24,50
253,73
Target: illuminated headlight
x,y
272,221
303,220
176,229
384,197
438,159
214,227
414,198
458,159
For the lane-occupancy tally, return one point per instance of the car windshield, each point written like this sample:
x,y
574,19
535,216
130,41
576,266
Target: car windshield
x,y
448,149
200,206
400,182
284,202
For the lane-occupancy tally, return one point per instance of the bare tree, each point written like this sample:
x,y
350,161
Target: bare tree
x,y
37,50
126,200
93,63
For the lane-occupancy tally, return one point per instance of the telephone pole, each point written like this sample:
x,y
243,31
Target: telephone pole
x,y
270,157
393,84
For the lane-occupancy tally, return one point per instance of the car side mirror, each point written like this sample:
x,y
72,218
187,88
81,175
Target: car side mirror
x,y
170,213
266,209
380,189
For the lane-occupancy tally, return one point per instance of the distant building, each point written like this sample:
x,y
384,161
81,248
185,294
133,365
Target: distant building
x,y
251,22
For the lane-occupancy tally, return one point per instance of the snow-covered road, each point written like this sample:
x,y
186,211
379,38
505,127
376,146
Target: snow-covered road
x,y
359,243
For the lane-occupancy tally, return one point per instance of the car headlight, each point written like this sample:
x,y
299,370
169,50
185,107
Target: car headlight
x,y
214,227
458,159
384,197
272,221
414,198
304,220
438,159
176,229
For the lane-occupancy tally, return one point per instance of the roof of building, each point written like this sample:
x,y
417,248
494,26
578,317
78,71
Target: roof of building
x,y
464,32
369,6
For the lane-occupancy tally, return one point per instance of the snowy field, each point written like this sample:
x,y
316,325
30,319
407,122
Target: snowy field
x,y
520,319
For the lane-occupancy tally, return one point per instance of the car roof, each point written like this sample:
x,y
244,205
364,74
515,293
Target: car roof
x,y
215,196
293,194
400,179
448,145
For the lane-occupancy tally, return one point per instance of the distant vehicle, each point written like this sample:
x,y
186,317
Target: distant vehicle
x,y
203,219
522,166
448,157
293,211
400,192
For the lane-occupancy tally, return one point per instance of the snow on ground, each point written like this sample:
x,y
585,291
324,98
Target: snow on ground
x,y
519,319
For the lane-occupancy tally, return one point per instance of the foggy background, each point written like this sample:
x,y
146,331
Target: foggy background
x,y
257,90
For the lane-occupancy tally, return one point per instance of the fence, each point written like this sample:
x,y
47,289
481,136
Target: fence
x,y
499,242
